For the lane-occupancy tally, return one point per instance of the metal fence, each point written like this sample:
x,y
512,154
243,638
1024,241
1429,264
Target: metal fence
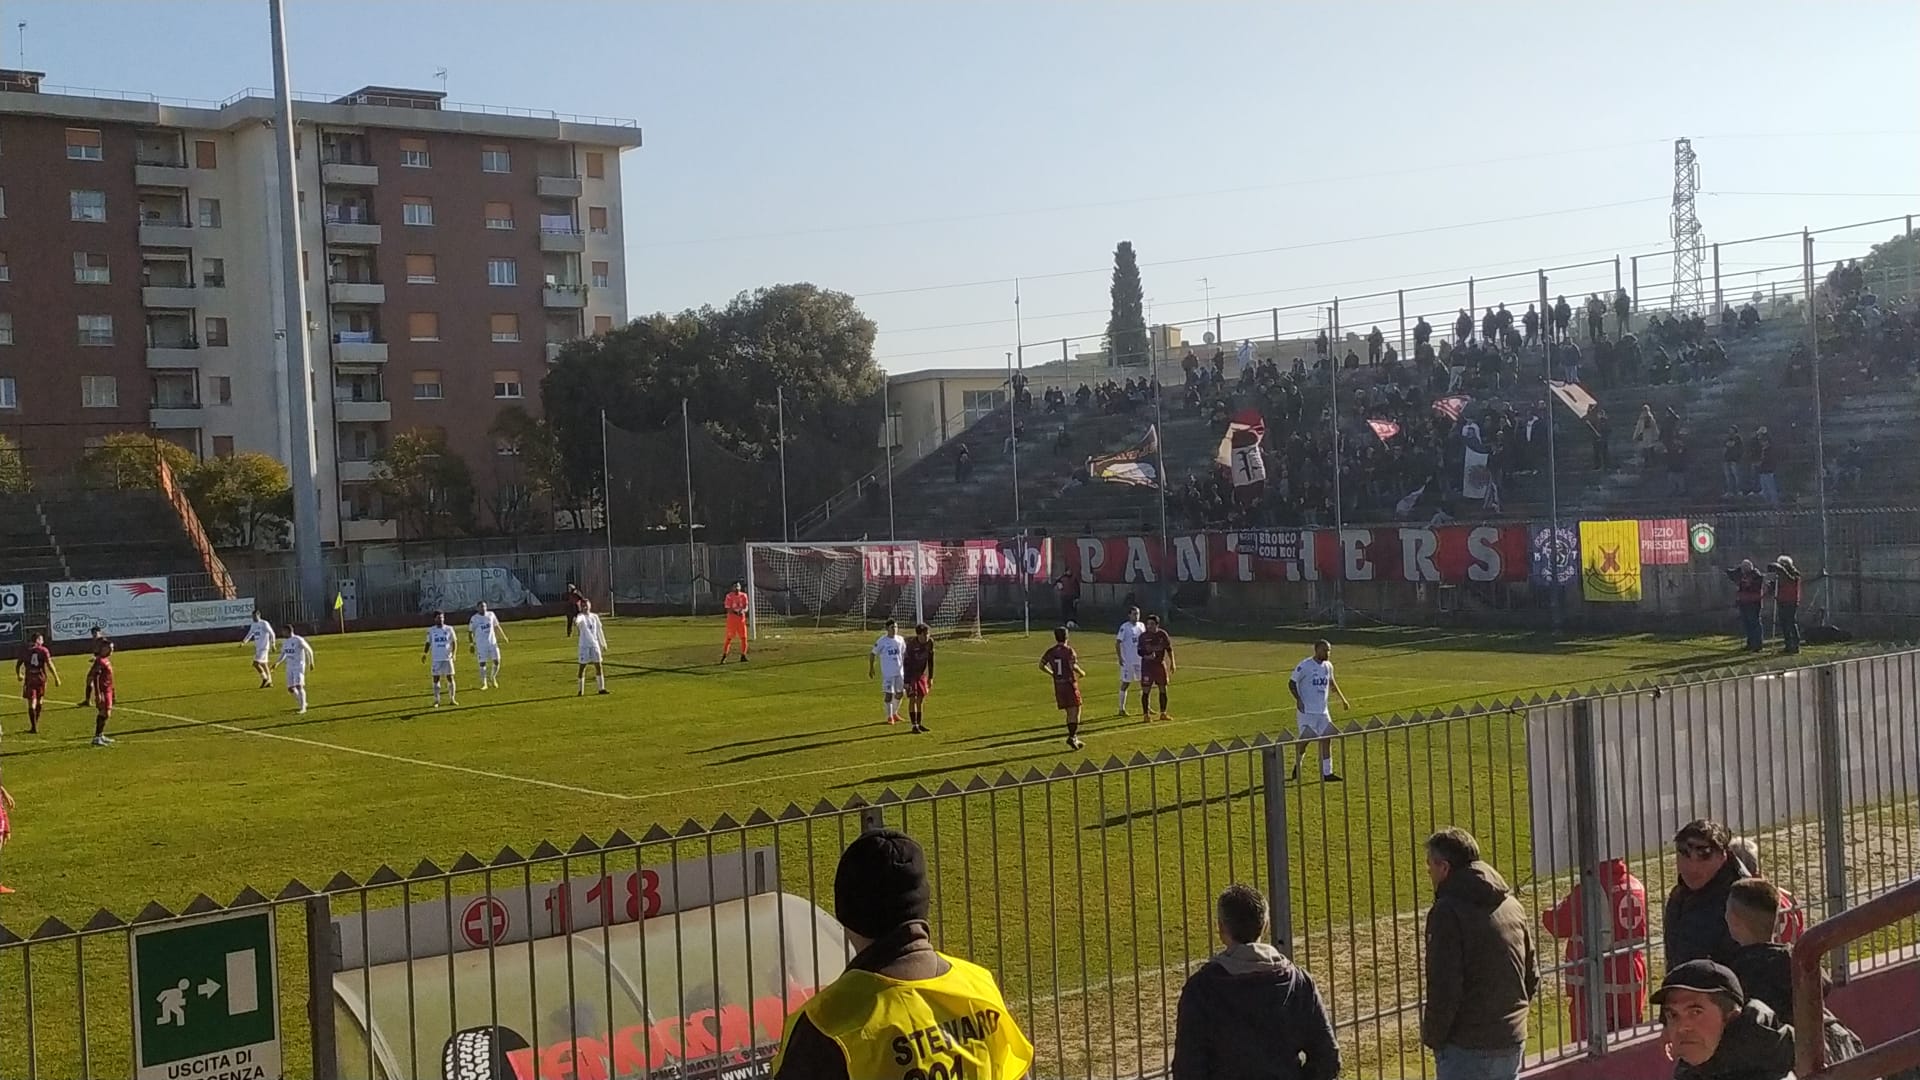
x,y
1087,890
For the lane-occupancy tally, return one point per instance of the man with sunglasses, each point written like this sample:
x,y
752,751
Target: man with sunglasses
x,y
1695,923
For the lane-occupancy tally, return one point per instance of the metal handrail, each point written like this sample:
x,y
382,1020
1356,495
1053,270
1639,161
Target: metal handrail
x,y
1809,1002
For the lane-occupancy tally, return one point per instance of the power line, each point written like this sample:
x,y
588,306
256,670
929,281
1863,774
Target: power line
x,y
1819,194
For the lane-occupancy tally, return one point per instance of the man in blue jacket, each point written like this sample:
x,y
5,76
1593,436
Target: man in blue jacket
x,y
1248,1013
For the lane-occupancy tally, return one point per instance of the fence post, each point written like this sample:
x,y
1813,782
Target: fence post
x,y
1595,922
1833,825
321,963
1273,782
872,819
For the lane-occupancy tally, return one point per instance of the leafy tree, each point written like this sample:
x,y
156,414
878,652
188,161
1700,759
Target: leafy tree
x,y
425,486
1127,341
525,469
809,346
124,461
243,501
13,469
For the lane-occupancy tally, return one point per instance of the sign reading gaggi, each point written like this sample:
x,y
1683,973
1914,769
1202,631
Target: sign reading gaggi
x,y
121,608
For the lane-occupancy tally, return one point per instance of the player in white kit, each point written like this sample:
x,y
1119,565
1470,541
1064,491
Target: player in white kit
x,y
260,636
891,651
1126,648
296,656
1310,685
593,647
485,635
442,645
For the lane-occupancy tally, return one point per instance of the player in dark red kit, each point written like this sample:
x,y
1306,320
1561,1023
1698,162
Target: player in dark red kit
x,y
32,670
1156,663
919,670
1064,665
98,644
572,601
102,679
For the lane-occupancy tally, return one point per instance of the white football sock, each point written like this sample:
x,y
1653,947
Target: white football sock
x,y
583,684
300,695
600,678
1326,766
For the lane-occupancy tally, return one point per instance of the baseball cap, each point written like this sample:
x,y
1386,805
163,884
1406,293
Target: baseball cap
x,y
1705,977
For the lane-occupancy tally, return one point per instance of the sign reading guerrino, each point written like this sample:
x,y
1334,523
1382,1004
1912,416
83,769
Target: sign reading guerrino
x,y
212,614
122,608
204,1000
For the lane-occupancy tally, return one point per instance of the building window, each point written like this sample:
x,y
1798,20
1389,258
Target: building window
x,y
9,393
6,327
223,390
423,326
499,215
90,268
505,447
216,332
99,392
209,213
596,165
495,158
503,272
213,273
506,384
413,154
597,219
96,329
504,327
421,270
426,386
6,272
87,205
3,202
599,275
223,446
205,154
602,324
83,144
416,211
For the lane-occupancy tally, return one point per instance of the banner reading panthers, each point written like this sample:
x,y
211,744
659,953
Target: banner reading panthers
x,y
1610,561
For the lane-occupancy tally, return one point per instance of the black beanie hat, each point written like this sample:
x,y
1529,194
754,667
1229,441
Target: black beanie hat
x,y
881,883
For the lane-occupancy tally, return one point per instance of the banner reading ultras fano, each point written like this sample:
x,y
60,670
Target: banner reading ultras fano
x,y
122,608
1447,554
940,560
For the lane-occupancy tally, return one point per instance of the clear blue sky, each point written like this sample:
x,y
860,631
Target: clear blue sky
x,y
879,147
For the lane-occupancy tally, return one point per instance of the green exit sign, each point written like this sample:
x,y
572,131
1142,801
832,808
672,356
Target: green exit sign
x,y
205,1002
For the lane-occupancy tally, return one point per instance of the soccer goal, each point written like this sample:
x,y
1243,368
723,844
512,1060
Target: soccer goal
x,y
859,586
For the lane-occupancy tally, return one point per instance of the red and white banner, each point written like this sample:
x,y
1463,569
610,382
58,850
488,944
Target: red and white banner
x,y
1663,542
941,561
122,608
1446,554
1385,429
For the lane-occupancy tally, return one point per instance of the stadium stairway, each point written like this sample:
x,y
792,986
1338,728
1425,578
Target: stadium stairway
x,y
28,549
110,534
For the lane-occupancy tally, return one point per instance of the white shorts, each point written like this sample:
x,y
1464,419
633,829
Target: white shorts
x,y
443,667
487,654
590,657
1317,725
260,654
296,677
893,685
1130,671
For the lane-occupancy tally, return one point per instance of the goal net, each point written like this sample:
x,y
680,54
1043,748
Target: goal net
x,y
860,586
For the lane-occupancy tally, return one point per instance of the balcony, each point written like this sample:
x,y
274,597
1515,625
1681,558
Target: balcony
x,y
174,354
354,233
175,415
358,348
558,187
160,172
564,296
168,296
362,412
166,232
353,529
357,292
562,240
553,350
350,173
355,472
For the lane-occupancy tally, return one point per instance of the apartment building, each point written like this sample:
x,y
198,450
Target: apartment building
x,y
448,253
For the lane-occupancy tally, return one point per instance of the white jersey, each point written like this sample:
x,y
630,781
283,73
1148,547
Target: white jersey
x,y
296,656
260,636
485,627
1314,679
442,644
593,640
1129,639
892,651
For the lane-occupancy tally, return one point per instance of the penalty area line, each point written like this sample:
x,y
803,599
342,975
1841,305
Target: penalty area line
x,y
421,762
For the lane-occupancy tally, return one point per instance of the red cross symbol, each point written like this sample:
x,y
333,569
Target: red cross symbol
x,y
484,922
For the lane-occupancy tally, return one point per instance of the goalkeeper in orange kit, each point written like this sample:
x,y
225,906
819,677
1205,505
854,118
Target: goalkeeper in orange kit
x,y
736,604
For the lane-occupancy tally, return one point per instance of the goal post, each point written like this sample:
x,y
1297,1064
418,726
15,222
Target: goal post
x,y
859,586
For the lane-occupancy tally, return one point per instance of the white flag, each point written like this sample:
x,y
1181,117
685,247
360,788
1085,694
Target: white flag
x,y
1474,479
1405,506
1248,466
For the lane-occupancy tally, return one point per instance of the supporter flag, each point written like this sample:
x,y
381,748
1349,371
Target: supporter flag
x,y
1386,429
1245,355
1404,508
1452,407
1575,397
1610,561
1475,481
1249,467
1244,420
1134,465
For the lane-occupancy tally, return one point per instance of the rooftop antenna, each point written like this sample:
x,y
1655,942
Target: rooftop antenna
x,y
21,26
441,74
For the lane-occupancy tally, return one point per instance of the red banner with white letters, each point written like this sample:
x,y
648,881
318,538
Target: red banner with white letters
x,y
1446,554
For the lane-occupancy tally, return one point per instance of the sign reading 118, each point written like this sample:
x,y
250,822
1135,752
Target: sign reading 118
x,y
607,900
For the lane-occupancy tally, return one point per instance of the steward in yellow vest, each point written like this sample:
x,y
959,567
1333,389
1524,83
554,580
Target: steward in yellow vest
x,y
902,1010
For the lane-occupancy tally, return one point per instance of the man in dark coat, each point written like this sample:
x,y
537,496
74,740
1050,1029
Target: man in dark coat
x,y
1712,1032
1482,973
1248,1013
1695,922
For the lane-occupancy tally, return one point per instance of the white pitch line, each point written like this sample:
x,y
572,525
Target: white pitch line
x,y
423,763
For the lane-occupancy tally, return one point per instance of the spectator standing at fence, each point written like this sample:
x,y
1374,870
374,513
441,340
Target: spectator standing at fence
x,y
1784,583
1481,970
899,996
1623,966
1695,920
1422,332
1748,589
1530,323
1712,1032
1562,318
1763,466
1249,1013
1602,428
1462,328
1733,457
1622,308
1596,316
1765,966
